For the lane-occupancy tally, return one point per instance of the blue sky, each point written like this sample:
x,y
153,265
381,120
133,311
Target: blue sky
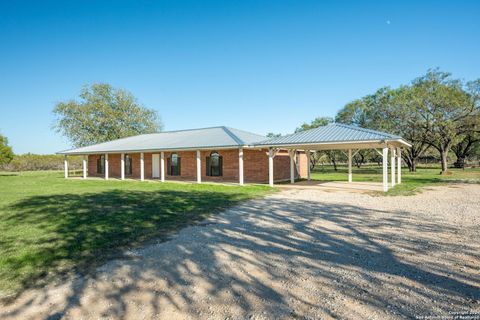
x,y
262,66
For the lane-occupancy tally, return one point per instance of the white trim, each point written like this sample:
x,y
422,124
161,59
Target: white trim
x,y
155,165
84,163
270,167
199,167
292,165
399,165
142,166
106,167
162,166
366,142
350,165
392,164
385,168
65,166
122,166
240,166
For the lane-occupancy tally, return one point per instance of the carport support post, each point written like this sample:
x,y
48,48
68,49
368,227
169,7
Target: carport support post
x,y
308,164
142,167
270,167
122,166
162,166
399,165
349,165
65,166
392,164
240,166
292,166
199,167
385,168
106,166
84,163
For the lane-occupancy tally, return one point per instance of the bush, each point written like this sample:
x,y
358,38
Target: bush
x,y
35,162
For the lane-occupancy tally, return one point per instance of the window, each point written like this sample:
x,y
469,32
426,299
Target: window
x,y
173,165
101,165
214,165
128,165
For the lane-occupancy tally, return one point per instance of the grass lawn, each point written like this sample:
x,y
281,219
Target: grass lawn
x,y
51,226
412,182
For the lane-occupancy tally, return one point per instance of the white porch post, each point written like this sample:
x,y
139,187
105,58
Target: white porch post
x,y
240,166
199,167
106,166
84,163
349,165
308,164
65,166
142,166
292,166
122,166
162,166
393,157
385,168
270,167
399,165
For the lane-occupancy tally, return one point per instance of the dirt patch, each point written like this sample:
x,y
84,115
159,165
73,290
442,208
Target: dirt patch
x,y
294,254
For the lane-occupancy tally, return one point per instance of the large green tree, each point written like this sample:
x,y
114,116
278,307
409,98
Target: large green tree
x,y
6,152
103,113
447,111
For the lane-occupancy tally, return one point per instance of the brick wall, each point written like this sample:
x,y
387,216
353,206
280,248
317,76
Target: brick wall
x,y
255,166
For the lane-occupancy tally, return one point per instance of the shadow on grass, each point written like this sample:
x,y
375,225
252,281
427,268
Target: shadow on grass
x,y
81,231
286,240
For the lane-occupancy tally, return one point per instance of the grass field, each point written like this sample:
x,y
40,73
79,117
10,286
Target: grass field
x,y
50,226
412,182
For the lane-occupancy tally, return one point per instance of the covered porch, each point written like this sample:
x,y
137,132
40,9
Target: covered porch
x,y
349,140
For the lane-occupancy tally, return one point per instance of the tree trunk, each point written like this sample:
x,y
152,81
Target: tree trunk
x,y
334,164
460,163
443,155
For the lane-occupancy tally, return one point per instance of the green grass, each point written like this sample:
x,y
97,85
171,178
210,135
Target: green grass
x,y
50,226
412,182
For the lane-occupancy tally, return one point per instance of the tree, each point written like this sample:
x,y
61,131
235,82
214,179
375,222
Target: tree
x,y
103,114
471,141
273,135
6,152
317,122
447,111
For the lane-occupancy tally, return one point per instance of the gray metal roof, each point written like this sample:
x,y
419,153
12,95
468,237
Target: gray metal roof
x,y
214,137
334,132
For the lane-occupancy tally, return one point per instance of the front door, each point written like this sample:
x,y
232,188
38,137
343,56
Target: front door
x,y
155,165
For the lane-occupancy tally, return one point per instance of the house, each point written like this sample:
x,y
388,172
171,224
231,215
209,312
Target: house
x,y
223,154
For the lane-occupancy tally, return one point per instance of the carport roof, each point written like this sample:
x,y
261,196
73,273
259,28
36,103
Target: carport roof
x,y
334,133
203,138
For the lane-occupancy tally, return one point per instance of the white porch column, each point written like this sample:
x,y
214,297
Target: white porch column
x,y
106,166
162,166
399,165
142,166
270,167
199,167
292,166
84,163
385,168
240,166
349,165
308,164
122,166
393,159
65,166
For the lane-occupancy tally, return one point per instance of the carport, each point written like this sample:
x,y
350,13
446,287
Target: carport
x,y
336,136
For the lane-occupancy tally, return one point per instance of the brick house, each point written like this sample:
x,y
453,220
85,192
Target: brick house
x,y
221,154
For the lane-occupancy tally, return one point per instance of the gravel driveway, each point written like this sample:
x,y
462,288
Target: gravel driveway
x,y
295,254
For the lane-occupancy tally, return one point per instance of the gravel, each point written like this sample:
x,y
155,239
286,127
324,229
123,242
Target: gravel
x,y
306,254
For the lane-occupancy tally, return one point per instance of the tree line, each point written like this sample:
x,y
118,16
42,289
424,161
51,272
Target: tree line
x,y
433,112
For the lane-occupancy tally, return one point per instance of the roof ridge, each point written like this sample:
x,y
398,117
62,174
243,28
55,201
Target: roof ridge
x,y
233,136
